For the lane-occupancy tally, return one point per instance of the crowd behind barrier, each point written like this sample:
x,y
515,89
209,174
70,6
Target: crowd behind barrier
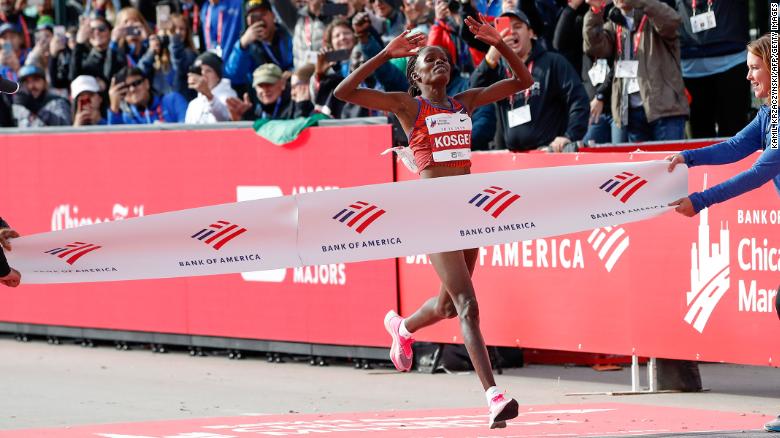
x,y
704,292
632,70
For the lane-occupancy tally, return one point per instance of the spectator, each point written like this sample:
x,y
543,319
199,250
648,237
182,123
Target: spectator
x,y
133,102
648,95
596,74
157,64
213,91
39,54
445,34
553,111
263,42
34,106
418,15
713,67
387,19
183,53
221,26
87,101
11,13
276,102
12,51
92,55
129,36
307,38
60,58
327,75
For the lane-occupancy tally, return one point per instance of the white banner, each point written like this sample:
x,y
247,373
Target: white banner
x,y
353,224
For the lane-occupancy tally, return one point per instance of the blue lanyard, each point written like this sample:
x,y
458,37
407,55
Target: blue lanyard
x,y
137,116
276,109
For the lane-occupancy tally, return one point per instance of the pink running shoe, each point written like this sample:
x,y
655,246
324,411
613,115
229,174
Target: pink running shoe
x,y
502,409
401,350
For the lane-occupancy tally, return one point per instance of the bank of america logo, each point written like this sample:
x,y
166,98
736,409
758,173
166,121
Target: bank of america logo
x,y
494,199
219,233
359,215
609,243
623,185
73,251
709,272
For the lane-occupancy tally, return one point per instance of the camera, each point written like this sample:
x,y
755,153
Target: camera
x,y
195,69
133,31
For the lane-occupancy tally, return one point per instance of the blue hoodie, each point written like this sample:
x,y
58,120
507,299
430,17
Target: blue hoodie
x,y
755,136
170,108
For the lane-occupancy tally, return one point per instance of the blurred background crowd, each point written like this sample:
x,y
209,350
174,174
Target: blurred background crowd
x,y
604,71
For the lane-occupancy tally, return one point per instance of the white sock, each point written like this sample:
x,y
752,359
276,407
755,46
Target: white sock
x,y
403,331
492,392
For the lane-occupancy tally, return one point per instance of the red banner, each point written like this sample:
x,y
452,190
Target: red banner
x,y
60,181
689,288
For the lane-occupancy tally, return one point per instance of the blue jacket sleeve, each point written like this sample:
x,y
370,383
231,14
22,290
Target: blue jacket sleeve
x,y
146,63
174,107
239,65
766,168
391,78
747,141
115,118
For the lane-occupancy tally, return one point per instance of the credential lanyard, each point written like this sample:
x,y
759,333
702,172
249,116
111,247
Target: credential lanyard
x,y
637,38
527,92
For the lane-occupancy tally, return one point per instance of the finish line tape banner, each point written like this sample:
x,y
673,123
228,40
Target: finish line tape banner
x,y
353,224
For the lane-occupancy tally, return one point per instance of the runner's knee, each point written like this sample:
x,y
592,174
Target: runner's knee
x,y
445,309
469,310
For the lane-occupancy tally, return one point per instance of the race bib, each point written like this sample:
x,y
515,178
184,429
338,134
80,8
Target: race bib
x,y
450,135
519,116
705,21
626,69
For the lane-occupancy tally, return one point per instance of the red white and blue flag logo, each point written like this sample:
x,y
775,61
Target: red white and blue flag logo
x,y
623,185
73,251
359,215
495,200
219,233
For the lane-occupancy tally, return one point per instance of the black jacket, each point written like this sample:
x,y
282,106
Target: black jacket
x,y
284,109
559,105
93,62
728,37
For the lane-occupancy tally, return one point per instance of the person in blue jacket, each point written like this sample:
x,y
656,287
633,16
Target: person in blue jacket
x,y
758,135
133,102
264,42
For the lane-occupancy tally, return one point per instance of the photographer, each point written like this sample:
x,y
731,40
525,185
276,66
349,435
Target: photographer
x,y
92,56
132,101
13,53
87,102
205,77
307,37
263,42
129,37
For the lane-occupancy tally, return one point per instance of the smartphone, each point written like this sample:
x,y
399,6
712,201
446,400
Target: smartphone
x,y
163,13
84,101
503,23
195,69
338,55
331,9
133,31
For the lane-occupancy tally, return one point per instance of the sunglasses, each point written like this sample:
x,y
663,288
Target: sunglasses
x,y
135,83
100,29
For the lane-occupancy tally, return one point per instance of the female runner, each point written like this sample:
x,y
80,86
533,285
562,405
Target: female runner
x,y
427,103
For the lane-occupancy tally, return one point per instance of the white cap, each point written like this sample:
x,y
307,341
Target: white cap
x,y
83,83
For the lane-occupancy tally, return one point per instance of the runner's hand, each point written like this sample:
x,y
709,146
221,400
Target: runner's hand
x,y
405,44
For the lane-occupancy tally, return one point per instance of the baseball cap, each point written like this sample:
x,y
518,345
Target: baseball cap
x,y
520,15
254,4
9,27
211,59
266,74
30,70
83,83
